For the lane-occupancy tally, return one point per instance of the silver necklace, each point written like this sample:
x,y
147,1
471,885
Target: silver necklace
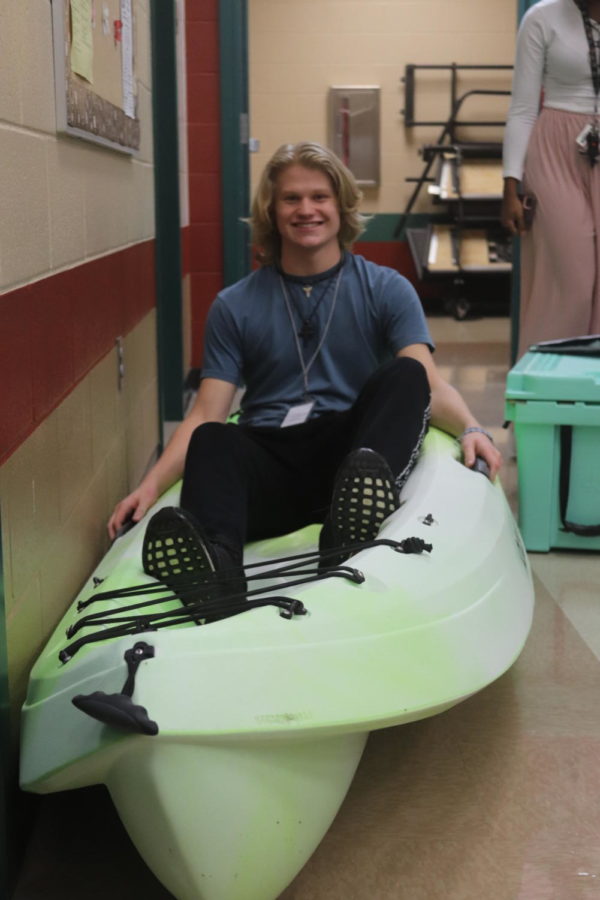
x,y
306,366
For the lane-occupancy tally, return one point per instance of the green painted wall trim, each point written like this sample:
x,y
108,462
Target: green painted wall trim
x,y
382,225
235,165
167,214
524,6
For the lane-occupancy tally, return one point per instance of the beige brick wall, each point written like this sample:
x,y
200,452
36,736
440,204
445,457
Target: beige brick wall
x,y
66,201
298,50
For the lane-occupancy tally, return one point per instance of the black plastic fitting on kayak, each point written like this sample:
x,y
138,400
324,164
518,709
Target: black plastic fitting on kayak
x,y
414,545
294,608
119,710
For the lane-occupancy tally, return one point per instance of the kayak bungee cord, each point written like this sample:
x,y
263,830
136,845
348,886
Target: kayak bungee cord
x,y
204,610
198,603
288,606
407,545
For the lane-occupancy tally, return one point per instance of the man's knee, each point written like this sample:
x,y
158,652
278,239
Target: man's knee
x,y
408,366
213,438
405,370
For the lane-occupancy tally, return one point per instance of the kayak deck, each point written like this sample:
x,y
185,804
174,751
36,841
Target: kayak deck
x,y
420,633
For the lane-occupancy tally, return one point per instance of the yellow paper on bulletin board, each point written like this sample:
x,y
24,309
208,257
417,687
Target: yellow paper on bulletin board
x,y
82,50
104,25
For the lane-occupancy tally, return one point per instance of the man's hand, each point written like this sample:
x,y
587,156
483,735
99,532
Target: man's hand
x,y
132,508
477,444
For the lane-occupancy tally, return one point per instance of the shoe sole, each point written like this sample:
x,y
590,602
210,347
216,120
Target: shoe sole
x,y
363,497
173,551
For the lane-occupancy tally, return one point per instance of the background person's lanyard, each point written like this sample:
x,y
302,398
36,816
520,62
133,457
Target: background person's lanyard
x,y
303,410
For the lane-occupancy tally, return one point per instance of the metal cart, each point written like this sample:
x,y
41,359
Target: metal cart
x,y
466,178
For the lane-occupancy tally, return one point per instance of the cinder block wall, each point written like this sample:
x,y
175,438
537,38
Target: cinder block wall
x,y
76,273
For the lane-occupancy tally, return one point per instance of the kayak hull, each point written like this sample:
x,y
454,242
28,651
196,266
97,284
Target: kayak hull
x,y
232,821
262,720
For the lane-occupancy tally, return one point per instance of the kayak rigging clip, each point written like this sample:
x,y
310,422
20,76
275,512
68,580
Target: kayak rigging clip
x,y
119,710
413,545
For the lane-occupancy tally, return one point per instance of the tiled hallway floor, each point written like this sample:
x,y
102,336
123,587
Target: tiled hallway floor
x,y
496,799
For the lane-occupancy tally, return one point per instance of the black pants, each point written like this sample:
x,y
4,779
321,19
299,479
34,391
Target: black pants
x,y
247,483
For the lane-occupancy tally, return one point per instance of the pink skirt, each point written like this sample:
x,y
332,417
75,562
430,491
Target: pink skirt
x,y
560,256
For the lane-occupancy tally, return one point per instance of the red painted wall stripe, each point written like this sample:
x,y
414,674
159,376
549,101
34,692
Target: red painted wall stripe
x,y
204,249
54,331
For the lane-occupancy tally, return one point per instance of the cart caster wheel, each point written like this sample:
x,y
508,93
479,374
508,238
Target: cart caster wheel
x,y
461,309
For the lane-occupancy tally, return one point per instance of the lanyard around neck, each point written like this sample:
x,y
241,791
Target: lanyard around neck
x,y
306,366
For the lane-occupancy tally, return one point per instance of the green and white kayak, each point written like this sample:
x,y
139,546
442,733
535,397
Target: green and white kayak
x,y
258,721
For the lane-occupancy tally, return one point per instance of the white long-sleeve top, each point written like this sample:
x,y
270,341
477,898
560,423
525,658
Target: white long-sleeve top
x,y
552,52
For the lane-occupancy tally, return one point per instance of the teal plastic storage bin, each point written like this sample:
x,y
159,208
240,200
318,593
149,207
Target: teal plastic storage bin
x,y
554,402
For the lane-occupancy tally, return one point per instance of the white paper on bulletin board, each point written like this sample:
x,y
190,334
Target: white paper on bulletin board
x,y
128,91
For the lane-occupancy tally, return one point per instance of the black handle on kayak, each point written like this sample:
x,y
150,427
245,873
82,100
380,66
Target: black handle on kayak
x,y
480,465
119,710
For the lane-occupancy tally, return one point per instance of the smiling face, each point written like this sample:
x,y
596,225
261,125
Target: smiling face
x,y
307,219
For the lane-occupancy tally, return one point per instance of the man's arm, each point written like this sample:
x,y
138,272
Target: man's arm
x,y
212,404
450,412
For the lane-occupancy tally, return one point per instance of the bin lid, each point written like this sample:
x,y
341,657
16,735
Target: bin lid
x,y
587,345
555,376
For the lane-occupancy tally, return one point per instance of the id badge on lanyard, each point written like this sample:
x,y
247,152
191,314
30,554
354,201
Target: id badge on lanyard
x,y
298,414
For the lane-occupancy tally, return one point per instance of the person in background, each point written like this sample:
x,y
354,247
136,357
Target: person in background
x,y
551,145
336,361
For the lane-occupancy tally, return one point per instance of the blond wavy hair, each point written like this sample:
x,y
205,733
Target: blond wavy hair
x,y
265,235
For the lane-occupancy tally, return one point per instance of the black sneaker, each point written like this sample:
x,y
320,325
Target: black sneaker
x,y
177,552
364,495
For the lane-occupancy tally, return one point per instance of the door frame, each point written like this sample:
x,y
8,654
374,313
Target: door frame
x,y
168,268
235,164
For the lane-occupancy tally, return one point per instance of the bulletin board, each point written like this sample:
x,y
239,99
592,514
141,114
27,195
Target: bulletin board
x,y
94,71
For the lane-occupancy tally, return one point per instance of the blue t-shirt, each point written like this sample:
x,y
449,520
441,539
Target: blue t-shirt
x,y
250,342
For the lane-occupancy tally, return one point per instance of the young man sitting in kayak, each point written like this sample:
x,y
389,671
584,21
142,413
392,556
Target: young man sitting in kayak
x,y
336,361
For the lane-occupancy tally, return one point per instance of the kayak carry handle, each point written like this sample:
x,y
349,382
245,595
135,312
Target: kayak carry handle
x,y
119,710
480,465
